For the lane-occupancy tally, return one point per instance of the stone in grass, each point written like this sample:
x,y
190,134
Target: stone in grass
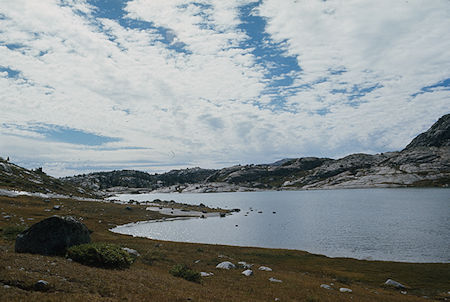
x,y
41,285
225,265
247,272
52,236
265,268
345,290
326,286
131,252
272,279
395,284
205,274
245,264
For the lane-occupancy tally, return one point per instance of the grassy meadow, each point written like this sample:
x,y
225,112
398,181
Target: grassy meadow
x,y
148,279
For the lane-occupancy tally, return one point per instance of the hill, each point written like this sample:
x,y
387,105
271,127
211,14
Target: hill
x,y
14,177
425,162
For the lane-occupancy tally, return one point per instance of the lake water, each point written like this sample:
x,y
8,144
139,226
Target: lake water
x,y
410,225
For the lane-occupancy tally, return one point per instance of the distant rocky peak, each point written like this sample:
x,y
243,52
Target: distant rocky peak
x,y
437,136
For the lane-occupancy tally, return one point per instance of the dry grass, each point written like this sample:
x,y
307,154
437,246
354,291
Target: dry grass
x,y
148,279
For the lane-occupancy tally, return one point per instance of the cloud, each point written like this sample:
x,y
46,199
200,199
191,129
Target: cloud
x,y
202,83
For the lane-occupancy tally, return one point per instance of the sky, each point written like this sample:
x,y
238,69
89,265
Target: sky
x,y
155,85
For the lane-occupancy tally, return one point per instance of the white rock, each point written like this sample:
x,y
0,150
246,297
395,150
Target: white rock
x,y
244,264
265,268
205,274
247,272
326,286
131,251
404,292
345,290
226,265
272,279
392,283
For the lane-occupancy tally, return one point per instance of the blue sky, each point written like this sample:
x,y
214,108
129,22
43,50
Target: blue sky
x,y
89,85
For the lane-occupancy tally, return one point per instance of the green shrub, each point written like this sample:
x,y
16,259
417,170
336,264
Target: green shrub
x,y
98,254
11,232
183,271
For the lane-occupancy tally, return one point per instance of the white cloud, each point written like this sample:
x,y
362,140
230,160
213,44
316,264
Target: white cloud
x,y
200,106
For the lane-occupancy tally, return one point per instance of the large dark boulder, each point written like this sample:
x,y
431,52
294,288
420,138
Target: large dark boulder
x,y
52,236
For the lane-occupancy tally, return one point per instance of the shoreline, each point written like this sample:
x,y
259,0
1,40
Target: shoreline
x,y
301,273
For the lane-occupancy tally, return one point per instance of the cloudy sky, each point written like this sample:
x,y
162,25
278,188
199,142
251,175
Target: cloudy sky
x,y
89,85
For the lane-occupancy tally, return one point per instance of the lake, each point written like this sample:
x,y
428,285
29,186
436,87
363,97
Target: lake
x,y
409,225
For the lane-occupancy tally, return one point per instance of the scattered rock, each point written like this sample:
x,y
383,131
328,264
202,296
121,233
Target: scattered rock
x,y
394,284
404,292
226,265
247,272
196,261
131,251
326,286
277,299
244,264
265,268
205,274
6,286
41,285
129,208
222,214
52,236
345,290
57,207
271,279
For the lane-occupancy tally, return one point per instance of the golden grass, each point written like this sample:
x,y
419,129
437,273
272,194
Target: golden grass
x,y
148,279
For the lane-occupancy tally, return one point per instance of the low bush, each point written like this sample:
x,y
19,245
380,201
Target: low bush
x,y
183,271
11,232
98,254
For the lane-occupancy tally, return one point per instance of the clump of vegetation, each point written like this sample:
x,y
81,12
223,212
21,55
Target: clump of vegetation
x,y
105,255
185,272
11,232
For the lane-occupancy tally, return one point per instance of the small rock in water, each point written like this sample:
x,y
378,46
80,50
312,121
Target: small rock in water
x,y
41,285
226,265
265,268
326,286
271,279
247,272
395,284
345,290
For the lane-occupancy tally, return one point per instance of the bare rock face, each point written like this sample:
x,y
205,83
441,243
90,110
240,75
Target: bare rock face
x,y
437,136
52,236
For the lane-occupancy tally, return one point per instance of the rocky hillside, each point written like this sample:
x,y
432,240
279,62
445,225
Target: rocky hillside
x,y
137,181
425,162
14,177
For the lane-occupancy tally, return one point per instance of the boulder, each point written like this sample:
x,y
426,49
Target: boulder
x,y
395,284
345,290
272,279
265,268
52,236
247,272
226,265
326,286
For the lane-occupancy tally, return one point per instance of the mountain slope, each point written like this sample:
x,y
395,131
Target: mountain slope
x,y
14,177
424,162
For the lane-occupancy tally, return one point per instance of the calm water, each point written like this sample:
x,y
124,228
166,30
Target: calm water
x,y
411,225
